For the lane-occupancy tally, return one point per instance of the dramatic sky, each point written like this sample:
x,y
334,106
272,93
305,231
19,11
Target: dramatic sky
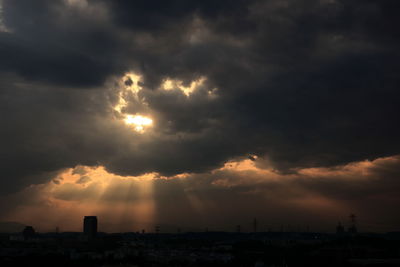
x,y
200,113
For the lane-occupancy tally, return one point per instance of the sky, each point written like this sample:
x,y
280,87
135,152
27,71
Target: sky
x,y
200,114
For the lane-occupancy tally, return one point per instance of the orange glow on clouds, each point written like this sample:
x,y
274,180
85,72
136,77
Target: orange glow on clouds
x,y
68,201
129,203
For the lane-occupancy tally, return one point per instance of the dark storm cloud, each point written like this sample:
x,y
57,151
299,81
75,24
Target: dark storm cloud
x,y
43,128
50,41
299,83
157,14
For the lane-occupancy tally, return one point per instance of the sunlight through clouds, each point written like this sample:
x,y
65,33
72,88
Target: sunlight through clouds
x,y
138,122
129,87
130,199
169,112
132,203
172,84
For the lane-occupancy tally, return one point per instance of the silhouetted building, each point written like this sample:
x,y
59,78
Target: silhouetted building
x,y
28,232
339,229
255,225
90,226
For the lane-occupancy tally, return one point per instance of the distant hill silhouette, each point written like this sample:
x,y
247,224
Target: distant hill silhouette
x,y
11,227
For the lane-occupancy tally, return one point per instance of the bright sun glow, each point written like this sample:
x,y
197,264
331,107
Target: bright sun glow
x,y
139,122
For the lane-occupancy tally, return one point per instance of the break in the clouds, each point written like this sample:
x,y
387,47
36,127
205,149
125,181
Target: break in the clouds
x,y
172,87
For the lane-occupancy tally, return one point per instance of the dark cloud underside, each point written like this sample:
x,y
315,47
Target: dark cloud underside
x,y
299,83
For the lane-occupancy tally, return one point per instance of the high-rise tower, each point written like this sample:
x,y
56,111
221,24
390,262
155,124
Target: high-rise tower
x,y
90,226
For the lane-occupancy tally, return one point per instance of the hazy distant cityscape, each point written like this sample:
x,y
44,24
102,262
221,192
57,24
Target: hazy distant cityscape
x,y
345,247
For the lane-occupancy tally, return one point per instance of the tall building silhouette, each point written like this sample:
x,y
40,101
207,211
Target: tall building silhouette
x,y
340,229
90,226
28,232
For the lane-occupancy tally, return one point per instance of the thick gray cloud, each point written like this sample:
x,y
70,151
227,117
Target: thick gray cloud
x,y
299,83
